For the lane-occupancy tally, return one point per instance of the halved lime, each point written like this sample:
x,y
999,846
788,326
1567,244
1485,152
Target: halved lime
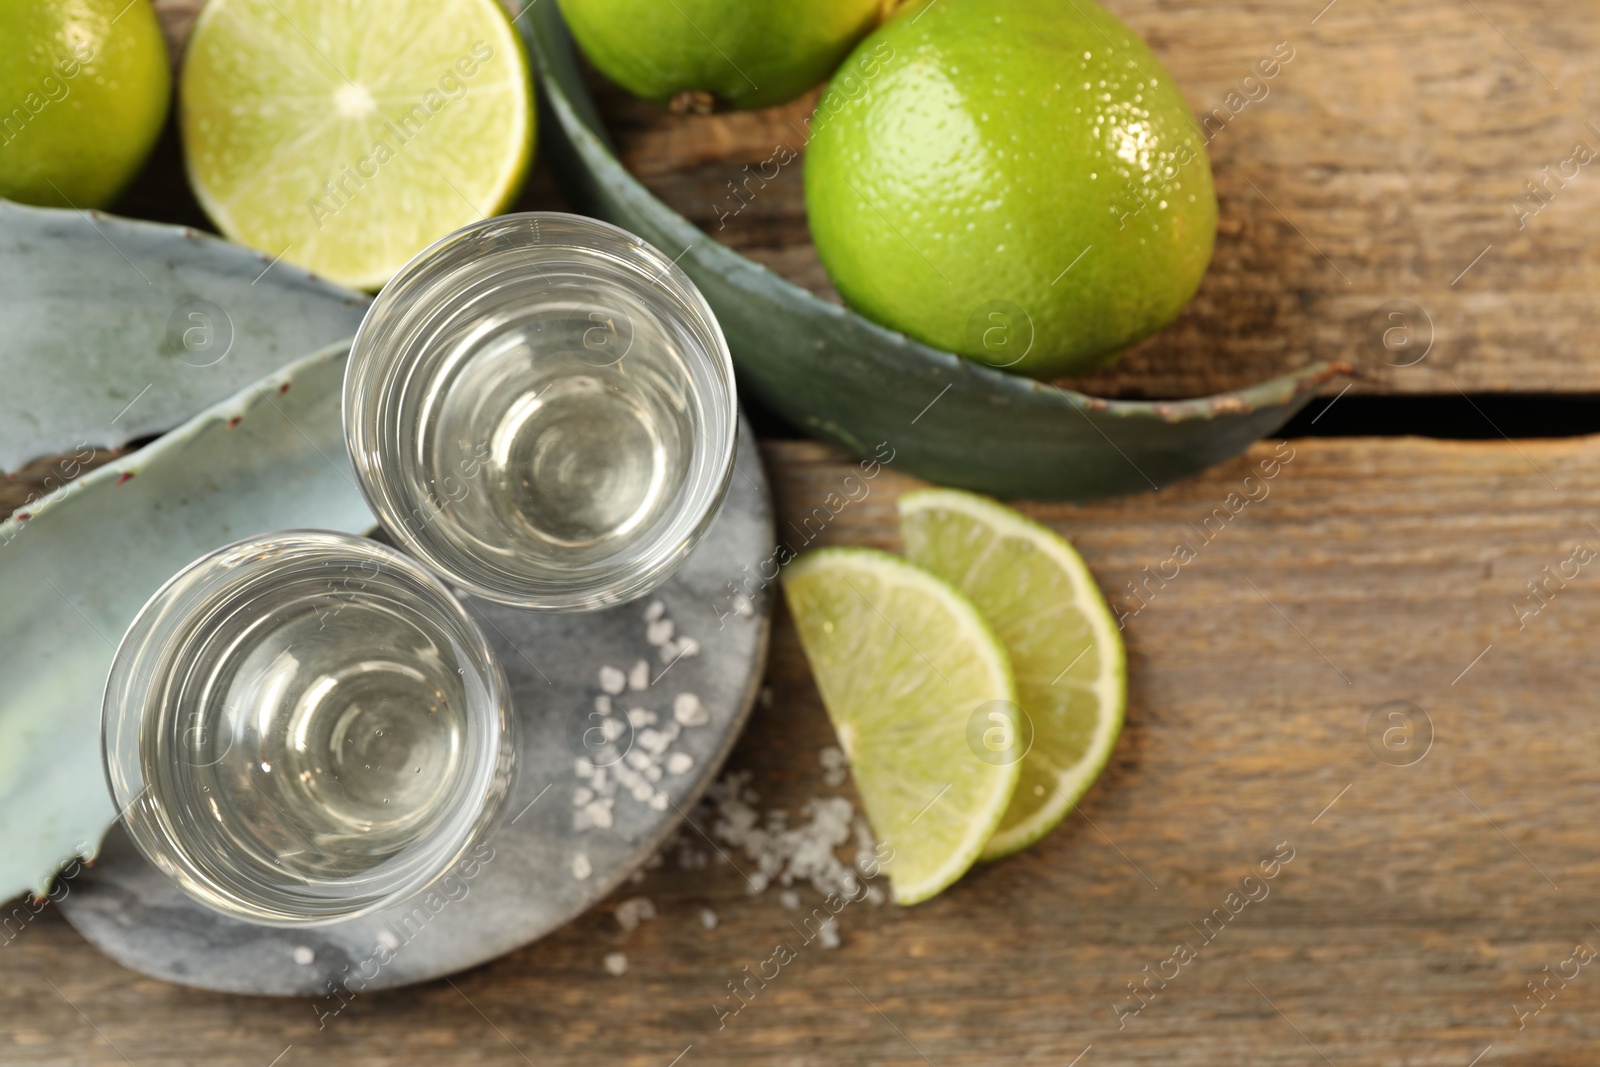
x,y
346,137
1063,644
905,666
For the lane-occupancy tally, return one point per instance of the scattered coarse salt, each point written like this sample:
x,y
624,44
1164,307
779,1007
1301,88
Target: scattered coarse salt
x,y
642,792
637,758
659,632
654,611
641,717
616,964
611,728
743,606
658,802
828,933
708,918
633,911
789,899
652,773
583,768
304,956
804,852
765,696
387,939
581,867
639,676
686,647
612,680
679,762
688,711
581,796
602,704
875,895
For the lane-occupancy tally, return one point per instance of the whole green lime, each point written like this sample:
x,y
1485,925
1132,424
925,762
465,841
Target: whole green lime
x,y
84,90
727,53
1018,182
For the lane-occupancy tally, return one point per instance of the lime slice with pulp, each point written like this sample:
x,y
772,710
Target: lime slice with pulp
x,y
1063,644
347,138
906,666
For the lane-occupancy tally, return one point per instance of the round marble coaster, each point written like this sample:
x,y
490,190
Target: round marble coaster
x,y
563,845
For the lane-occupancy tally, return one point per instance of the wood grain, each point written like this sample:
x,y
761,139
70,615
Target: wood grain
x,y
1419,901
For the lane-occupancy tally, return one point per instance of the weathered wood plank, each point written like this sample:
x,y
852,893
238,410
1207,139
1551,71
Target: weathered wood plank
x,y
1419,901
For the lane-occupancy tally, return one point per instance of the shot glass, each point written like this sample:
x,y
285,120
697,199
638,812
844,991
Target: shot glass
x,y
541,408
304,727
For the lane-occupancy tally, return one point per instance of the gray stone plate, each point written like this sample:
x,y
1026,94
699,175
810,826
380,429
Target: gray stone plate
x,y
522,883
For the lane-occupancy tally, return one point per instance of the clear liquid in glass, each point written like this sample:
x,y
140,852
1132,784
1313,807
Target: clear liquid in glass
x,y
304,726
563,433
329,743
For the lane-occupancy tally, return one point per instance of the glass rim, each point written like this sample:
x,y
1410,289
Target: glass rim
x,y
138,660
382,366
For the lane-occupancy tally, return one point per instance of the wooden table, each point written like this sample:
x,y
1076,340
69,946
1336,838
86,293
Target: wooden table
x,y
1441,859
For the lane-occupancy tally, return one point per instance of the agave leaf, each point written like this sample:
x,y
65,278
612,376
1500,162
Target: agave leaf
x,y
850,381
77,566
115,329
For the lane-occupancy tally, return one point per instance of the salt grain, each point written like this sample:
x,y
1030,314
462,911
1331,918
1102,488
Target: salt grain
x,y
679,762
638,717
828,933
602,704
687,646
599,813
633,911
612,680
583,768
639,676
304,956
581,796
616,964
581,867
687,710
789,899
708,918
654,611
833,767
659,632
658,802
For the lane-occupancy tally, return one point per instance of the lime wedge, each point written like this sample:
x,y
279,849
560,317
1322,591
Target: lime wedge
x,y
345,137
906,666
1063,644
